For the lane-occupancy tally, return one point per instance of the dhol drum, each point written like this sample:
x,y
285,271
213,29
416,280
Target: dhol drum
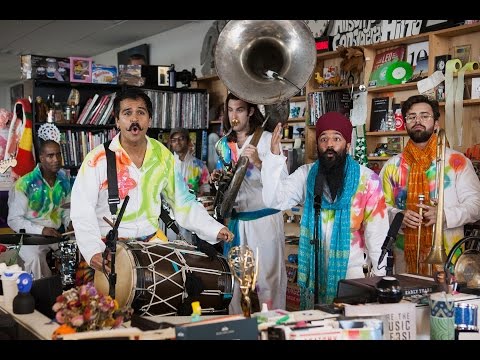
x,y
207,202
151,278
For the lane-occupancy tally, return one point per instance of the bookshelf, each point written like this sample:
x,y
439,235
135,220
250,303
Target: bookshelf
x,y
172,107
440,42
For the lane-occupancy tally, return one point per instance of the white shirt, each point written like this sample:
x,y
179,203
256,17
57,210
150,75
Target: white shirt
x,y
144,185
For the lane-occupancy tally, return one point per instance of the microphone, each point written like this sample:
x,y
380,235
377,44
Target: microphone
x,y
273,75
391,236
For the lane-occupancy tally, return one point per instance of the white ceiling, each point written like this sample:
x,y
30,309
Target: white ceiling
x,y
63,38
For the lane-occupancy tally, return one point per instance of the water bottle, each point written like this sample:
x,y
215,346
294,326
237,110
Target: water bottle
x,y
390,121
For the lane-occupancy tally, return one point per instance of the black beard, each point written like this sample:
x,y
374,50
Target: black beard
x,y
135,125
419,136
332,171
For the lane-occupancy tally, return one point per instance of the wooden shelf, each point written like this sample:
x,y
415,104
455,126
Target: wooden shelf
x,y
296,120
378,158
213,122
290,140
469,102
297,99
396,42
469,74
332,88
386,133
390,88
458,30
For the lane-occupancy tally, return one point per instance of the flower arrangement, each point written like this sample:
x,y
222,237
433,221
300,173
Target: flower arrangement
x,y
84,309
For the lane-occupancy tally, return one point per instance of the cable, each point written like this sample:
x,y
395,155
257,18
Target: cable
x,y
274,75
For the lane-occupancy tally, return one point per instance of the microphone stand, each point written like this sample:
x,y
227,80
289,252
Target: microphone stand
x,y
316,244
111,246
389,267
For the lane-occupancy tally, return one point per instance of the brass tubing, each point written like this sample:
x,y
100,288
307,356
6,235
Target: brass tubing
x,y
421,199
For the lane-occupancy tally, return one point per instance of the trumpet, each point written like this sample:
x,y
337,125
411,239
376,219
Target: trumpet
x,y
437,253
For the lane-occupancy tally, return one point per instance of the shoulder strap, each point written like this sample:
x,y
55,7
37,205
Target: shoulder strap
x,y
113,198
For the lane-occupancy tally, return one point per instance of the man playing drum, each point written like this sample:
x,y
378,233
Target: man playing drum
x,y
145,172
38,201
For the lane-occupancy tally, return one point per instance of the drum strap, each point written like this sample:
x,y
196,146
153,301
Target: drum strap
x,y
113,198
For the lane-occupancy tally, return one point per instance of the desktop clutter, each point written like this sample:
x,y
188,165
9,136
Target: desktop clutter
x,y
16,286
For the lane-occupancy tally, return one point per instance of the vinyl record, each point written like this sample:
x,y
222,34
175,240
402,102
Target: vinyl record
x,y
399,72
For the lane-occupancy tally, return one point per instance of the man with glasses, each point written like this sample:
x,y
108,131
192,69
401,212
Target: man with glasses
x,y
412,173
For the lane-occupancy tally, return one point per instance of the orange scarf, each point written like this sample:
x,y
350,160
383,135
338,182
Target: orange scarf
x,y
419,161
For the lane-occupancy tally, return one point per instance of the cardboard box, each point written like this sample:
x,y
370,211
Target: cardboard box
x,y
104,74
45,68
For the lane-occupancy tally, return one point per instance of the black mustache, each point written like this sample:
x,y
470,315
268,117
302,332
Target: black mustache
x,y
135,125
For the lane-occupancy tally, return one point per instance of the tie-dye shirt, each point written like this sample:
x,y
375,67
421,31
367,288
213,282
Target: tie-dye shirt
x,y
34,204
368,219
194,172
461,192
144,185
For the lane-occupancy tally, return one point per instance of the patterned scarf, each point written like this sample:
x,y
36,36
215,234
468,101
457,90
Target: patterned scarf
x,y
339,251
419,160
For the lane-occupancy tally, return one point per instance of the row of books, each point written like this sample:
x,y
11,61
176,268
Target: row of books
x,y
75,145
98,110
188,110
324,101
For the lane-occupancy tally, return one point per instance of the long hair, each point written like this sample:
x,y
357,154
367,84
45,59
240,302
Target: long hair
x,y
254,122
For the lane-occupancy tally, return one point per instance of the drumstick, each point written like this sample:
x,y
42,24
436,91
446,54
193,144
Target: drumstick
x,y
68,233
108,221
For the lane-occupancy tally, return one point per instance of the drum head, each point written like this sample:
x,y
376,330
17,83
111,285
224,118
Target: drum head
x,y
126,277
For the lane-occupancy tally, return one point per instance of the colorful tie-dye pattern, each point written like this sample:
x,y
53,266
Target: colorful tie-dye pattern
x,y
461,192
44,201
145,186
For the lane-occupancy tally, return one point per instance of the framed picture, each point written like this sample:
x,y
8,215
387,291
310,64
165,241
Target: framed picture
x,y
140,51
16,92
80,69
462,53
163,75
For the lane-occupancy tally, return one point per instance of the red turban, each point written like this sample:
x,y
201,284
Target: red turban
x,y
335,121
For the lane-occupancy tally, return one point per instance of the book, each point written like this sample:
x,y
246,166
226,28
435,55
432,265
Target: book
x,y
381,62
378,113
476,88
399,319
232,327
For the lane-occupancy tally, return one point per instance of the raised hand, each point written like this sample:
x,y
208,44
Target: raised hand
x,y
276,137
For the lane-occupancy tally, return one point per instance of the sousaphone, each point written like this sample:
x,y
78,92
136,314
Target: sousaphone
x,y
263,62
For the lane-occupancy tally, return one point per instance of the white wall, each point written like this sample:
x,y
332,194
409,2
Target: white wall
x,y
180,46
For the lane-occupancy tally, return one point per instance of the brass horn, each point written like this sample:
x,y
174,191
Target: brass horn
x,y
247,49
437,253
261,62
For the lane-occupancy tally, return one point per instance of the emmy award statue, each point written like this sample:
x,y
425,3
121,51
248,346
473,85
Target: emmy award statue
x,y
244,268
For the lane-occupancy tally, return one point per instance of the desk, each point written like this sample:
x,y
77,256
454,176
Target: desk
x,y
33,326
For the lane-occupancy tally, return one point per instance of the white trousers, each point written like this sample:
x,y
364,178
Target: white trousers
x,y
35,259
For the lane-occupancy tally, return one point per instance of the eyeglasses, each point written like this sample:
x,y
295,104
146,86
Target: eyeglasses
x,y
422,117
177,139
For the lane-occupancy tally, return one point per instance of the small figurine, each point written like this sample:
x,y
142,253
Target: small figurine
x,y
41,109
